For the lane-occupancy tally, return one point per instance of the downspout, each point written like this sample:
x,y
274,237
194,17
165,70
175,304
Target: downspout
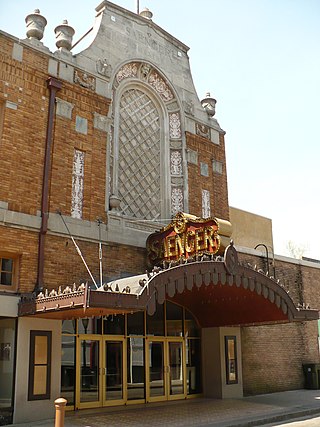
x,y
53,85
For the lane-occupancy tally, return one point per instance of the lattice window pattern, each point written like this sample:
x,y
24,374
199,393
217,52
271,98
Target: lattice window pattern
x,y
139,156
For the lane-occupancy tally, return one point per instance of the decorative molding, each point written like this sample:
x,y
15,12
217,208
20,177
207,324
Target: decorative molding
x,y
64,108
160,86
175,125
173,106
145,70
206,211
104,68
202,130
84,80
177,181
176,163
176,200
128,70
77,184
188,107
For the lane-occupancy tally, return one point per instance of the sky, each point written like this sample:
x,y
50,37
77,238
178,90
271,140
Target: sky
x,y
260,59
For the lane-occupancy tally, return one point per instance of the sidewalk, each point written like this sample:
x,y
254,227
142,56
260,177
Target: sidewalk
x,y
249,411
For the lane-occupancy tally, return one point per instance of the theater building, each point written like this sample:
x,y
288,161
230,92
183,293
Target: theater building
x,y
125,277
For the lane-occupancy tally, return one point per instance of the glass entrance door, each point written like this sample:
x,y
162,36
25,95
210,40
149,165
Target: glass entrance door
x,y
100,372
113,371
89,372
176,369
156,370
165,369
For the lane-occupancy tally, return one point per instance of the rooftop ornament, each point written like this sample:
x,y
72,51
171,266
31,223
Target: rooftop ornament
x,y
209,104
35,25
64,34
146,13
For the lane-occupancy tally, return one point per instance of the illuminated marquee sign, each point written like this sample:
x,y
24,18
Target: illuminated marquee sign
x,y
184,237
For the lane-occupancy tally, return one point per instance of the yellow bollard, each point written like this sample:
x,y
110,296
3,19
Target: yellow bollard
x,y
60,405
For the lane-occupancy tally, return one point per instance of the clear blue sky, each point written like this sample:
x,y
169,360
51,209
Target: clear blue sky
x,y
261,60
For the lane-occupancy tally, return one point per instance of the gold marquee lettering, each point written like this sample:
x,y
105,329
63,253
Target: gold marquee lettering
x,y
182,239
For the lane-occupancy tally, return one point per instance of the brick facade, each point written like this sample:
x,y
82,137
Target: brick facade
x,y
272,355
215,183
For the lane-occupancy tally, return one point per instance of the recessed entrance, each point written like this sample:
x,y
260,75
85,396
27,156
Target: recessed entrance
x,y
133,358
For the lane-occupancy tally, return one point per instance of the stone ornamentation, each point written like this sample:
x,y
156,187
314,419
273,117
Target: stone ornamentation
x,y
160,86
203,130
145,70
209,104
206,212
77,184
175,125
64,34
128,70
35,25
176,200
189,108
84,80
103,68
176,163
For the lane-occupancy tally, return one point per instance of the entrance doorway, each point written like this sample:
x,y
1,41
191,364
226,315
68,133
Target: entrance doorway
x,y
166,369
101,371
131,358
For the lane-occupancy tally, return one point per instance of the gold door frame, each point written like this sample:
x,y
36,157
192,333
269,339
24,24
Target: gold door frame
x,y
102,370
166,376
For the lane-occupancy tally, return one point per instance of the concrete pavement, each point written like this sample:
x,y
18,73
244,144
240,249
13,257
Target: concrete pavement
x,y
249,411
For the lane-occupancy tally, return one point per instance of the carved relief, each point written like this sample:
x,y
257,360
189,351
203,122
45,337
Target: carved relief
x,y
206,212
145,70
160,86
84,80
103,68
176,200
189,107
175,125
128,70
203,130
176,163
77,184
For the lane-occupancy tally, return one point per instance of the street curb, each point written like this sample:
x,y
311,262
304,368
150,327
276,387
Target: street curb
x,y
267,420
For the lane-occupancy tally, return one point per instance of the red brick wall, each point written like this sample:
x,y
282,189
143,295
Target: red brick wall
x,y
272,356
24,244
216,183
24,137
63,265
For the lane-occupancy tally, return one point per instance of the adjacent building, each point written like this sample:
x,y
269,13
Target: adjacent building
x,y
125,277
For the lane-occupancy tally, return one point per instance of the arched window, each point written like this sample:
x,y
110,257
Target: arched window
x,y
146,163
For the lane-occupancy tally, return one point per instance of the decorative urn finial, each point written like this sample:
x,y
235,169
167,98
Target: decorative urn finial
x,y
209,104
146,13
64,34
35,25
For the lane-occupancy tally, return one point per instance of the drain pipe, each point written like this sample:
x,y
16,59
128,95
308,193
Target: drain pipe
x,y
53,85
